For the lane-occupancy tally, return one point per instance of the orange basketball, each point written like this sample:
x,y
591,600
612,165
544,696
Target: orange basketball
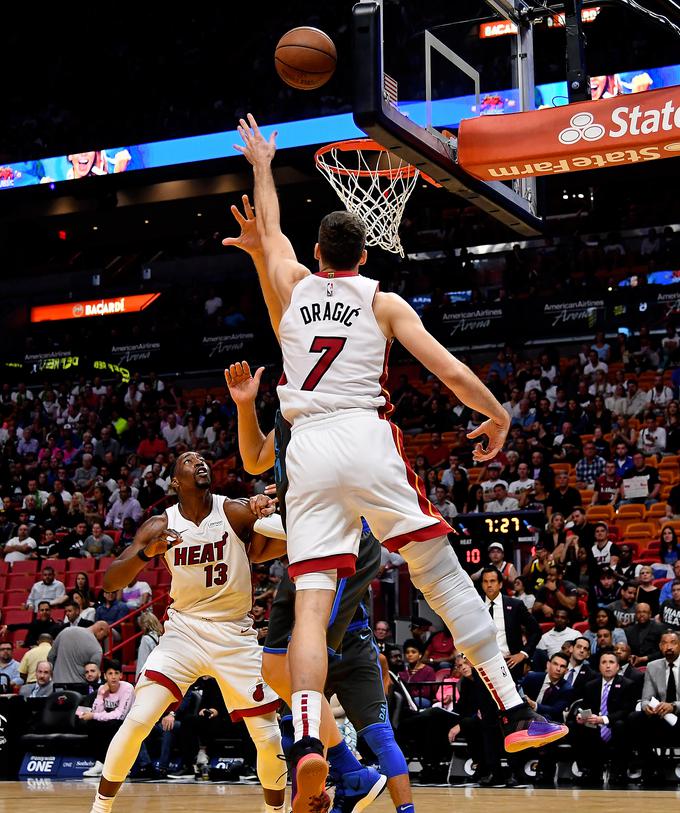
x,y
305,58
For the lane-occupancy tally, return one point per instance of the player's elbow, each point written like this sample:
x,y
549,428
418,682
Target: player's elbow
x,y
256,465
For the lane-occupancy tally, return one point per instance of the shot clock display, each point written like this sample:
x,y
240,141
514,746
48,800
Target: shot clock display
x,y
474,532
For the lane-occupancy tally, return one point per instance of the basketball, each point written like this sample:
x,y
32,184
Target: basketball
x,y
305,58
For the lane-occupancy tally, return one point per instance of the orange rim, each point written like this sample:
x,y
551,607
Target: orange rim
x,y
366,145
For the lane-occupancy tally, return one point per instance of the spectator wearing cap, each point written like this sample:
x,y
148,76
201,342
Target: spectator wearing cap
x,y
517,631
48,589
564,498
493,471
589,467
20,547
496,554
501,503
644,636
420,629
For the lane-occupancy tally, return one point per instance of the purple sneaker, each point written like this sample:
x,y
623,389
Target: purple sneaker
x,y
523,728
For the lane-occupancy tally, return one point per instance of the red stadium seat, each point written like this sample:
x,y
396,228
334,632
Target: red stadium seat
x,y
27,566
13,598
580,626
79,564
18,617
104,562
20,581
546,626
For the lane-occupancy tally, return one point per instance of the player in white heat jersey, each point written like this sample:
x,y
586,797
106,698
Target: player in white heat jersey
x,y
345,460
207,542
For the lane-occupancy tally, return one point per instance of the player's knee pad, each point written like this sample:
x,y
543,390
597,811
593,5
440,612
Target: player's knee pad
x,y
436,572
380,739
323,580
271,767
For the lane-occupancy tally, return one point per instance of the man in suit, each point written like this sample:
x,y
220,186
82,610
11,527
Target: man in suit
x,y
644,636
512,620
649,728
627,670
608,699
578,671
548,694
72,617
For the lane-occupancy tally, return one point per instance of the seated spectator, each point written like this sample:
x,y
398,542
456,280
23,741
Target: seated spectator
x,y
440,650
625,607
536,569
660,396
496,554
602,734
417,672
436,453
669,551
420,629
647,592
643,480
82,586
86,474
72,615
43,622
73,545
76,510
636,400
98,543
150,492
607,486
603,618
29,663
555,593
501,503
589,467
567,444
652,438
554,536
445,507
520,592
126,537
666,590
9,668
86,612
475,500
606,590
42,686
260,623
74,647
673,502
20,547
546,692
492,473
48,545
643,636
626,569
93,678
383,636
622,459
604,552
552,640
136,594
626,669
113,702
522,488
123,508
47,589
578,671
648,728
564,498
151,635
110,609
669,611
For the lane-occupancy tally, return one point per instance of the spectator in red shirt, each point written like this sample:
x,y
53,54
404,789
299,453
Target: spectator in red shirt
x,y
440,650
607,486
151,446
436,453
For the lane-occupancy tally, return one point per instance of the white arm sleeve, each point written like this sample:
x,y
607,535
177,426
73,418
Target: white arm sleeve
x,y
270,526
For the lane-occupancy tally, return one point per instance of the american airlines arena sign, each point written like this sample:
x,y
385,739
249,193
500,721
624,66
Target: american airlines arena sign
x,y
93,308
586,135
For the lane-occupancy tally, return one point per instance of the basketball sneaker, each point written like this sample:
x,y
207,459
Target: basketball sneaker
x,y
309,770
523,728
355,791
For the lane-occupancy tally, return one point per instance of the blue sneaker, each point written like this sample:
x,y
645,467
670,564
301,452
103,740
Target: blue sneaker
x,y
357,790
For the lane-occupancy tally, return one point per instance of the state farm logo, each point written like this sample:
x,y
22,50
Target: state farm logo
x,y
78,310
582,127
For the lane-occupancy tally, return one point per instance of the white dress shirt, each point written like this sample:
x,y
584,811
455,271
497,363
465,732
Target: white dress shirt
x,y
499,621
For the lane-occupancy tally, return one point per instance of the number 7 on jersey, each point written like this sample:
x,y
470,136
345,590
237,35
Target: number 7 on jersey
x,y
330,347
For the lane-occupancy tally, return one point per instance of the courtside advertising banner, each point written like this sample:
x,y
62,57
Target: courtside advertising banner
x,y
585,135
93,308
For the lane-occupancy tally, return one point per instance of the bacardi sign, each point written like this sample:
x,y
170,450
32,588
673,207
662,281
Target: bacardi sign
x,y
92,307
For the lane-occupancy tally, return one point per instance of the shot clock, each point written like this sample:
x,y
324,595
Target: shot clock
x,y
473,533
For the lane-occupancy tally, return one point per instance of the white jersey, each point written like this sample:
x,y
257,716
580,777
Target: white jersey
x,y
334,352
210,568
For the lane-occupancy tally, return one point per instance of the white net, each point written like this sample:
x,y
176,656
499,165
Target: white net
x,y
372,184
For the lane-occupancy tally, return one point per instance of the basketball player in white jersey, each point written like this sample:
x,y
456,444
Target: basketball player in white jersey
x,y
207,543
345,460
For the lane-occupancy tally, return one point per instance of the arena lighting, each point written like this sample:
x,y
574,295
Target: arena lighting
x,y
93,308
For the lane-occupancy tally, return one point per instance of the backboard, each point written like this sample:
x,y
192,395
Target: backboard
x,y
412,87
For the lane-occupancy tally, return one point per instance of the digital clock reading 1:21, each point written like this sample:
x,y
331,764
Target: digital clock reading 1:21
x,y
504,525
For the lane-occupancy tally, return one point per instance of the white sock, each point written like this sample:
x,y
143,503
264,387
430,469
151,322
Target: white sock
x,y
306,707
102,804
496,676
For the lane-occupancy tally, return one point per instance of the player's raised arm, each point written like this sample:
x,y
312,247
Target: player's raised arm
x,y
400,321
282,266
249,241
152,539
257,451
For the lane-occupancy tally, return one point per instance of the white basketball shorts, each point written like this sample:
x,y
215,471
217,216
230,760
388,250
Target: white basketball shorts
x,y
343,467
192,647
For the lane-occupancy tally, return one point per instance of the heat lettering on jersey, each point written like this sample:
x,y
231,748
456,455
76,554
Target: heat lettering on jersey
x,y
200,554
338,312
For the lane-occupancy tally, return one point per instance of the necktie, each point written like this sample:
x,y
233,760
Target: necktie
x,y
569,678
671,689
491,609
605,731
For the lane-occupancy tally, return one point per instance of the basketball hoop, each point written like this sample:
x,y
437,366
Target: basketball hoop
x,y
373,184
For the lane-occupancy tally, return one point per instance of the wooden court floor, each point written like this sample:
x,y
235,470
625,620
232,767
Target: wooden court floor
x,y
75,797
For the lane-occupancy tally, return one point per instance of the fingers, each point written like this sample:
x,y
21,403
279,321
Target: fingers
x,y
253,124
247,208
237,215
258,375
480,430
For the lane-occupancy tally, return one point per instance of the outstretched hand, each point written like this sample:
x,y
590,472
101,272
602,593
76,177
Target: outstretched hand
x,y
496,433
249,239
256,148
242,385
